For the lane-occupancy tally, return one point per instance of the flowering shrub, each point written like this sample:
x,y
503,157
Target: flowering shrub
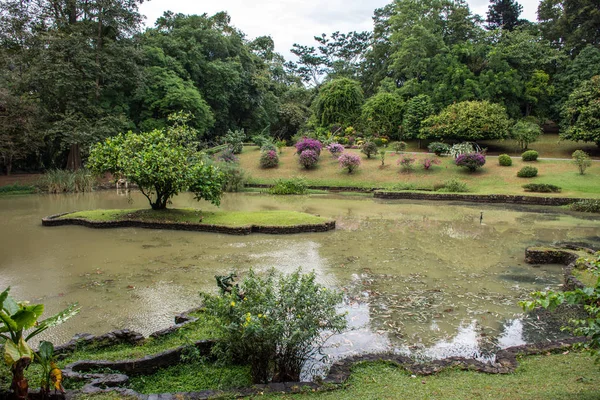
x,y
308,158
308,144
406,163
429,162
335,149
471,161
349,161
228,156
275,322
269,159
369,148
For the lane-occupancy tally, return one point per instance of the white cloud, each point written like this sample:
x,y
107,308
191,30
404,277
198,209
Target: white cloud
x,y
295,21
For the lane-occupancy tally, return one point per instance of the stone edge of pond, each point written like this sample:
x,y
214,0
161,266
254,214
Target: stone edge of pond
x,y
53,220
478,198
566,255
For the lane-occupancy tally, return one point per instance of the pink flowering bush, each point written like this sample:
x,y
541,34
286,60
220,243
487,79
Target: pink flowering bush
x,y
471,161
349,161
308,158
406,163
269,159
335,149
308,144
429,162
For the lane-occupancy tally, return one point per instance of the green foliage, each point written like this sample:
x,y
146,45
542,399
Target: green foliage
x,y
339,102
296,185
235,140
582,160
161,163
525,132
65,181
468,120
234,177
527,172
416,111
530,155
581,113
406,163
587,205
275,323
541,188
16,188
382,114
369,148
461,148
399,147
261,140
504,14
452,186
504,160
438,148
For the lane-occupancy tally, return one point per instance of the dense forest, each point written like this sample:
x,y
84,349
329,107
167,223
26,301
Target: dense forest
x,y
74,72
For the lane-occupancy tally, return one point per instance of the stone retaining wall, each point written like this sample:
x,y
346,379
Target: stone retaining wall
x,y
54,220
567,256
477,198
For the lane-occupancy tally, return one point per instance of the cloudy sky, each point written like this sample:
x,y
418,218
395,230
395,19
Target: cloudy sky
x,y
295,21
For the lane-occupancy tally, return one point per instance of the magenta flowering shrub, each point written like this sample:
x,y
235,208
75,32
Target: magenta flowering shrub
x,y
335,149
429,162
308,144
471,161
308,158
269,159
349,161
406,163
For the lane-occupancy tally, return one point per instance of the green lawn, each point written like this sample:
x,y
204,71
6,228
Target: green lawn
x,y
222,218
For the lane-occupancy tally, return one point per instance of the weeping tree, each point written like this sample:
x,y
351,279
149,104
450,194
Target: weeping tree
x,y
339,102
162,163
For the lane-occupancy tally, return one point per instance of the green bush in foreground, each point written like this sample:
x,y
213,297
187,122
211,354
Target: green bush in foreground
x,y
274,322
504,160
530,155
541,188
588,205
582,160
527,172
451,186
295,185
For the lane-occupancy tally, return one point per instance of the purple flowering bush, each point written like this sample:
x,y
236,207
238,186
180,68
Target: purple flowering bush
x,y
308,158
269,159
471,161
335,149
308,144
349,161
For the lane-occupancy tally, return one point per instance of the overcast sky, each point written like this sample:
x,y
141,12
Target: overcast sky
x,y
296,21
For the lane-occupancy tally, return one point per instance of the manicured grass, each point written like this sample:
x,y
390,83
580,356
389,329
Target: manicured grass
x,y
491,179
222,218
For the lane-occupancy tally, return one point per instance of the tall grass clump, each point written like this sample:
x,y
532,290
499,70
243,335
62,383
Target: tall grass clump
x,y
295,185
65,181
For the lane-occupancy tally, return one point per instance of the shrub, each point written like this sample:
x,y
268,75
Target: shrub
x,y
582,160
461,148
504,160
471,161
527,172
63,181
382,153
452,186
228,156
268,146
295,185
429,162
380,141
530,155
308,144
261,140
525,132
269,159
349,162
308,158
399,147
276,323
234,177
438,148
281,145
587,205
541,188
335,149
406,163
369,148
235,140
17,188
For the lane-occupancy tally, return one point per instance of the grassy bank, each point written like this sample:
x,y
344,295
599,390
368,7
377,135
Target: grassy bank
x,y
221,218
491,179
16,188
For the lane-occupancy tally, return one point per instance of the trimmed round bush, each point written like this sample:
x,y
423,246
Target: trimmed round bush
x,y
530,155
471,161
438,148
369,148
504,160
527,172
308,158
308,144
335,149
349,161
269,159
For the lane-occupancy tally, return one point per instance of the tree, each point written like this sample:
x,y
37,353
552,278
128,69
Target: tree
x,y
525,132
382,114
416,111
160,162
339,102
581,113
503,14
468,121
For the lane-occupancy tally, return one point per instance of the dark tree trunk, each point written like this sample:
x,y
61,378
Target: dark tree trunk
x,y
19,385
74,160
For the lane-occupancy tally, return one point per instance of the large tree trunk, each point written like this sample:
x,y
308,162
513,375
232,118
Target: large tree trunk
x,y
74,160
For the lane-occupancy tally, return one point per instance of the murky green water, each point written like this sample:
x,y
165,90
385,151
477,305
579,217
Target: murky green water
x,y
422,277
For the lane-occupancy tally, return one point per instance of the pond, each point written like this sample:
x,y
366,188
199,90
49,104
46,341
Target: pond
x,y
425,278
